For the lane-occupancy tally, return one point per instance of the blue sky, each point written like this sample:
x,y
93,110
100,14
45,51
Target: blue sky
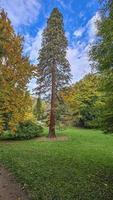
x,y
29,19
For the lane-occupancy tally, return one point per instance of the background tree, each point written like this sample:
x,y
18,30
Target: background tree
x,y
63,114
102,55
15,73
37,108
53,67
84,100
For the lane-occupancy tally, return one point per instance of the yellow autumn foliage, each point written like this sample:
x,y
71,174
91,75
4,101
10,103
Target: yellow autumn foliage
x,y
15,74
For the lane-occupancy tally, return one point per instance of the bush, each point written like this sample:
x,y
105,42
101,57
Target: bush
x,y
25,130
6,135
28,130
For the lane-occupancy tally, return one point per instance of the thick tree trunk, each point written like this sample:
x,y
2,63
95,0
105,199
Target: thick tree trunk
x,y
53,106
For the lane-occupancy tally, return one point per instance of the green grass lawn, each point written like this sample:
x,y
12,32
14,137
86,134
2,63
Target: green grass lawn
x,y
78,169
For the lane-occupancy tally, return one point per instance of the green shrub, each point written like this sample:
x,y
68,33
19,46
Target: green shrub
x,y
6,135
25,130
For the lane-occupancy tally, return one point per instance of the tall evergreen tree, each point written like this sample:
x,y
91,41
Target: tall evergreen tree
x,y
102,55
53,67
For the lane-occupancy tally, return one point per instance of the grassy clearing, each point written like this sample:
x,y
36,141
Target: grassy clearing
x,y
78,169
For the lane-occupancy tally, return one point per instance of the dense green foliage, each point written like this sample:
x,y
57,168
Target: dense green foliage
x,y
84,101
28,130
24,130
78,168
102,55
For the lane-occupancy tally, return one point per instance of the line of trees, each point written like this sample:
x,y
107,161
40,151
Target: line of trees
x,y
101,54
16,72
88,103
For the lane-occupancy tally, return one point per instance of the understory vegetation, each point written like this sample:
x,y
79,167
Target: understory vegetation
x,y
24,130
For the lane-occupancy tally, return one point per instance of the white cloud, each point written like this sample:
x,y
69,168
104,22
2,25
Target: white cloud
x,y
21,12
78,53
92,27
79,32
31,48
33,45
79,61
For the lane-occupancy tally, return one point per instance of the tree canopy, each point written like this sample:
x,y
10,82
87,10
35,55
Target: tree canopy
x,y
84,100
15,74
101,54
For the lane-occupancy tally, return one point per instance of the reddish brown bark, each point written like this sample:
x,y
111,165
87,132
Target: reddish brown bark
x,y
53,106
